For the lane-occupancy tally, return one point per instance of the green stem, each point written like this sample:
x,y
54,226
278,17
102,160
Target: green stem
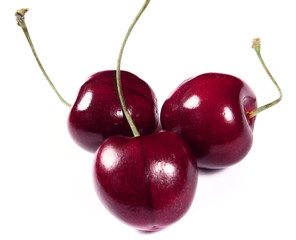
x,y
118,79
20,18
253,113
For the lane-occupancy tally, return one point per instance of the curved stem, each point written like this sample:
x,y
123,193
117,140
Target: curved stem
x,y
253,113
20,18
118,79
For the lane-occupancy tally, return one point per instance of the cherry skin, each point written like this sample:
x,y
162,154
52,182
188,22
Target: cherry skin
x,y
149,181
97,114
210,112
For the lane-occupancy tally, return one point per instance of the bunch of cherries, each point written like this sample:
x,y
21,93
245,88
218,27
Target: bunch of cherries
x,y
146,176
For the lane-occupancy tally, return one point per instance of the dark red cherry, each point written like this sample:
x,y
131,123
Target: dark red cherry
x,y
215,113
148,181
210,112
97,114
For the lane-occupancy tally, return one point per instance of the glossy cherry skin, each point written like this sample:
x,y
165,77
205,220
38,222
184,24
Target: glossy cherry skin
x,y
97,115
210,112
148,182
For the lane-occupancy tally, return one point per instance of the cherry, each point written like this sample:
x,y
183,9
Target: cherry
x,y
209,112
146,181
215,113
96,113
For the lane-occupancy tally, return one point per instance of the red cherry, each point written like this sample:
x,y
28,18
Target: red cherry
x,y
215,113
149,181
97,114
209,112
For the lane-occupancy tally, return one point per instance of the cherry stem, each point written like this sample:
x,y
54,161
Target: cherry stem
x,y
118,78
20,18
253,113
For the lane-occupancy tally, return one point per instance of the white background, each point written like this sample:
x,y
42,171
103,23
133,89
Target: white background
x,y
46,180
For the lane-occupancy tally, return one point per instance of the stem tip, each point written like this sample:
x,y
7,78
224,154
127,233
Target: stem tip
x,y
20,15
256,43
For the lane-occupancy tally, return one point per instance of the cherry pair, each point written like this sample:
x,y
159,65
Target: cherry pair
x,y
149,181
215,113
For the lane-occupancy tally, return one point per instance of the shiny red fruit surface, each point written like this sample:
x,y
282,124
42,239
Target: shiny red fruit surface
x,y
149,181
209,112
97,115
